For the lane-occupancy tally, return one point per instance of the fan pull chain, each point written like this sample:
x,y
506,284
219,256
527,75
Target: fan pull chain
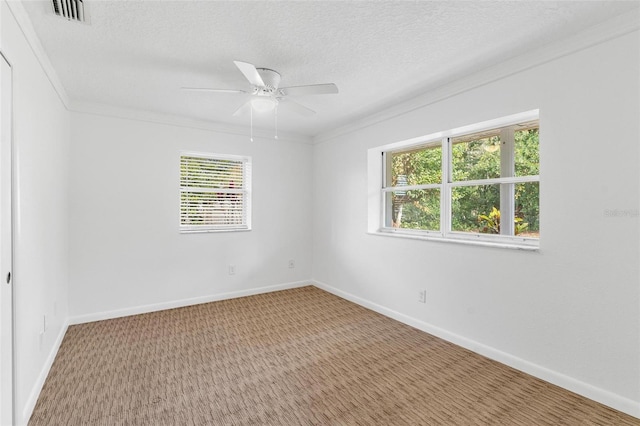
x,y
276,114
251,114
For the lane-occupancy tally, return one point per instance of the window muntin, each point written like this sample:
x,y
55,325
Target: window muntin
x,y
415,209
491,174
215,192
413,182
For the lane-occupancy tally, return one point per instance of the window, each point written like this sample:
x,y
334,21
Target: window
x,y
215,192
464,183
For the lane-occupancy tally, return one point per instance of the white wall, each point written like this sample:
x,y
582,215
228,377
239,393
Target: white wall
x,y
570,312
126,251
41,150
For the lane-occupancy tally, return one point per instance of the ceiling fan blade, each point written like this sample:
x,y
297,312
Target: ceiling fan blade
x,y
243,109
250,71
206,89
312,89
296,107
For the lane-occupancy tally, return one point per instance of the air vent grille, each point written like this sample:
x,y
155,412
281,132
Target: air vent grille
x,y
73,10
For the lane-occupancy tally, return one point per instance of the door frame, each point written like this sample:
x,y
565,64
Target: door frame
x,y
7,294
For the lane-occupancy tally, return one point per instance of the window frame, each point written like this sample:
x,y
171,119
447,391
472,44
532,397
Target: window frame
x,y
445,140
245,191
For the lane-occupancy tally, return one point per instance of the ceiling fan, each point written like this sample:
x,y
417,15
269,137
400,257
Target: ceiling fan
x,y
266,93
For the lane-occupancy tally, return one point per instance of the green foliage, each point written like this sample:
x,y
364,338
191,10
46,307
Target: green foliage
x,y
491,223
471,160
417,209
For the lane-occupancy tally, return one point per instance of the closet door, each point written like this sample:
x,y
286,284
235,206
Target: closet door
x,y
6,247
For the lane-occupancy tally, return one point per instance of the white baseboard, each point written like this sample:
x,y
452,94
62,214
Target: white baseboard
x,y
143,309
589,391
37,387
602,396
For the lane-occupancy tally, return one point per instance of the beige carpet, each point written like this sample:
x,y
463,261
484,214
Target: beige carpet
x,y
294,357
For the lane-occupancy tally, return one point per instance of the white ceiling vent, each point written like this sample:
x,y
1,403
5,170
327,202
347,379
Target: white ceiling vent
x,y
73,10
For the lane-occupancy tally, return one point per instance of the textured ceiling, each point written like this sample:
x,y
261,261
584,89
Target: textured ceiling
x,y
137,54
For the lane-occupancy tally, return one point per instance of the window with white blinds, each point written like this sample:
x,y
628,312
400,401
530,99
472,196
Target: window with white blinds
x,y
215,192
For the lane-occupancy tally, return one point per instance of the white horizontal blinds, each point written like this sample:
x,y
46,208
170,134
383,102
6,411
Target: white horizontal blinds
x,y
213,192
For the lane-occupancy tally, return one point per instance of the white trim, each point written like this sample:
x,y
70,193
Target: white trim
x,y
437,91
203,230
196,187
80,319
259,135
7,251
494,181
587,390
505,125
30,404
231,157
24,23
437,137
459,183
507,189
143,309
411,187
445,193
485,240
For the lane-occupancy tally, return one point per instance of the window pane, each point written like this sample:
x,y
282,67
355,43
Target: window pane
x,y
211,208
416,209
416,167
203,172
468,203
527,152
527,209
476,209
476,156
214,192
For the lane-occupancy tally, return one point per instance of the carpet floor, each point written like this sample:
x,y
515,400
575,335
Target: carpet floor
x,y
293,357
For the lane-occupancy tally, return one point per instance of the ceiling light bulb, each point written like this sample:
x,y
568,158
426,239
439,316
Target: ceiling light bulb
x,y
263,104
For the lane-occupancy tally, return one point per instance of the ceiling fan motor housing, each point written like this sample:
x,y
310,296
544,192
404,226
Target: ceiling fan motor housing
x,y
271,81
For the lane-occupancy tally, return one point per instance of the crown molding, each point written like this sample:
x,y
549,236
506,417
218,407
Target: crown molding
x,y
607,30
178,121
615,27
24,23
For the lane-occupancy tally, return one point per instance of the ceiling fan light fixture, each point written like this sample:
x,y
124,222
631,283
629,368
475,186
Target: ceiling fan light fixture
x,y
263,104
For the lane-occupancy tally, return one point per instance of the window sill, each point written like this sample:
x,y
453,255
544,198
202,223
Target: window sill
x,y
209,231
464,241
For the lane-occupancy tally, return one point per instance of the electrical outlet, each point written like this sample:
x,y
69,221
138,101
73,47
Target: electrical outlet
x,y
292,264
44,323
422,298
232,269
